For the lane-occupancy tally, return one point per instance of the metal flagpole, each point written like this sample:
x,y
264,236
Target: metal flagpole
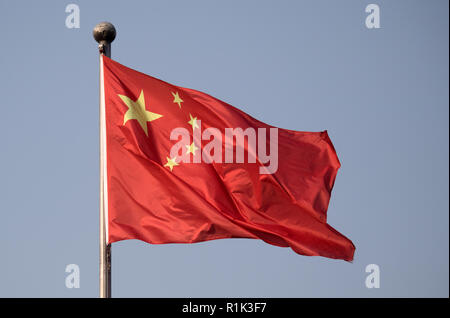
x,y
104,33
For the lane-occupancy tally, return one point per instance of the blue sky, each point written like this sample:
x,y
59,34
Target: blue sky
x,y
382,94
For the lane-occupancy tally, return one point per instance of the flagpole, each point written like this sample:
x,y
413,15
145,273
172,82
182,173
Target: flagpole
x,y
104,33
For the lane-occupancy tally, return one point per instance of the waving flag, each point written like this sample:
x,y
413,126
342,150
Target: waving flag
x,y
184,167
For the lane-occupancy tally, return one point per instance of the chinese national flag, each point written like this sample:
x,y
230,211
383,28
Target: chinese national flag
x,y
185,167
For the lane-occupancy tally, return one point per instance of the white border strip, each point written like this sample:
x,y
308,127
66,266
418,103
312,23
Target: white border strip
x,y
103,154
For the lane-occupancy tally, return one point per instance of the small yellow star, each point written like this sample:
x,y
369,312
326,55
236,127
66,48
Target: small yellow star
x,y
177,99
193,122
191,148
136,110
171,162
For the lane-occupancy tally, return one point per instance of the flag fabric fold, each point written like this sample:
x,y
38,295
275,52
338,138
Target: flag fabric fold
x,y
185,167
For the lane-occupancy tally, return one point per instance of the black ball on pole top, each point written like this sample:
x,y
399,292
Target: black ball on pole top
x,y
104,33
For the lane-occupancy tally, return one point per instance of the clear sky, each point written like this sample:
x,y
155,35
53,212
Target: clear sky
x,y
382,94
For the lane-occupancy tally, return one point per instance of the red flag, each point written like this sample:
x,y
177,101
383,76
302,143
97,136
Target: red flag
x,y
184,167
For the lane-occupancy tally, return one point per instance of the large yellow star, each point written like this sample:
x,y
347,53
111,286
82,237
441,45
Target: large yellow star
x,y
136,110
191,148
177,99
171,162
193,122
